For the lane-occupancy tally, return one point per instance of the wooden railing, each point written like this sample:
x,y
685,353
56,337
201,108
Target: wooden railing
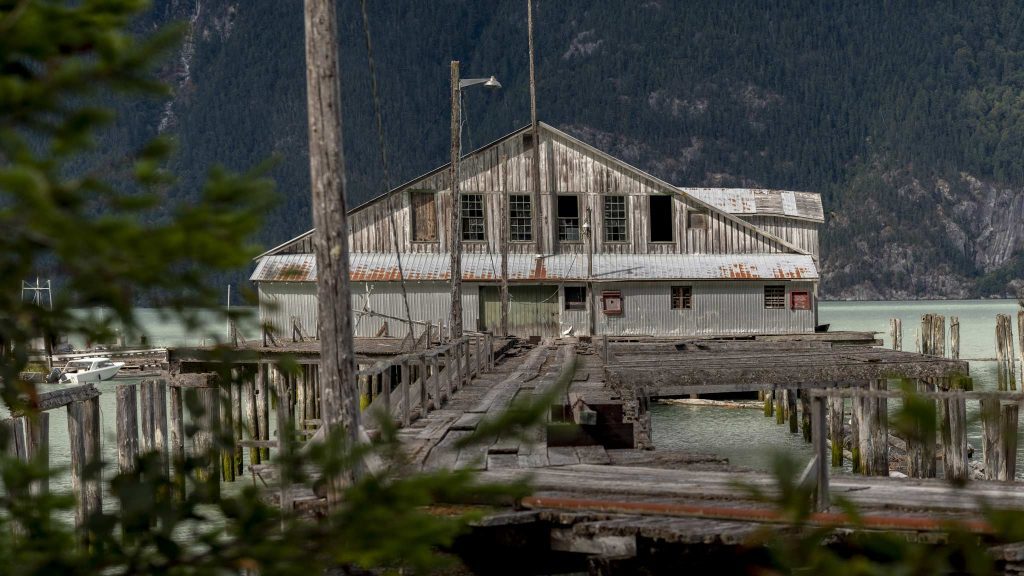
x,y
425,379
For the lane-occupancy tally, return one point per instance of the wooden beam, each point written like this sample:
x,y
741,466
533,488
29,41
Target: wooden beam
x,y
60,398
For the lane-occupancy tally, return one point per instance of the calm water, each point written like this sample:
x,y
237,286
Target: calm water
x,y
750,440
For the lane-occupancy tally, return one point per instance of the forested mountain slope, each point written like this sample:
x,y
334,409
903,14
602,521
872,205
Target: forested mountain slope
x,y
908,117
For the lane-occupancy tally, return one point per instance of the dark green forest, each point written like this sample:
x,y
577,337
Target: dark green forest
x,y
908,117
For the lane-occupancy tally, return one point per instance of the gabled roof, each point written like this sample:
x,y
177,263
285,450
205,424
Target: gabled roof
x,y
426,266
657,182
762,202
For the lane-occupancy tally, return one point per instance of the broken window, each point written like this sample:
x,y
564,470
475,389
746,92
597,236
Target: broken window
x,y
520,212
424,217
775,297
569,218
660,217
614,218
682,297
575,298
473,222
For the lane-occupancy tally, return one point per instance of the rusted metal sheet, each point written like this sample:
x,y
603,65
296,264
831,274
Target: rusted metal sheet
x,y
750,201
378,267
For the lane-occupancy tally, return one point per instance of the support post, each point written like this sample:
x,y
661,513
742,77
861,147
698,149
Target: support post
x,y
822,500
999,432
874,435
37,447
177,441
856,417
836,419
227,453
921,448
435,380
207,426
263,405
805,415
127,428
780,406
424,385
791,411
769,405
954,337
251,419
285,433
406,377
954,437
456,212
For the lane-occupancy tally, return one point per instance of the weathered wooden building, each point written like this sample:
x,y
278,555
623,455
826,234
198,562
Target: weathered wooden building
x,y
602,248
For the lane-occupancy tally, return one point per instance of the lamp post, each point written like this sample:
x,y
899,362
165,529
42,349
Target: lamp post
x,y
455,319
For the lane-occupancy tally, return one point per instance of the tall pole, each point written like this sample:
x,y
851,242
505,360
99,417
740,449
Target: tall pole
x,y
505,213
340,402
456,235
591,304
535,172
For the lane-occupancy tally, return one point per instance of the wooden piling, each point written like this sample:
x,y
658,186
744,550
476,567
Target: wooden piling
x,y
84,442
37,447
954,436
780,406
769,405
284,428
938,335
896,333
457,358
805,415
250,419
954,337
262,401
147,443
177,442
817,434
874,433
999,439
836,421
925,336
435,380
227,420
406,384
424,385
203,441
856,416
127,428
791,411
921,447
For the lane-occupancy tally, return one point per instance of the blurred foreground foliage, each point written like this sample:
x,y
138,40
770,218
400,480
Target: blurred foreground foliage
x,y
109,234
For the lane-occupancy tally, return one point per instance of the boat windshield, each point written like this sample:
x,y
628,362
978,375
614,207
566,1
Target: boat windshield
x,y
80,364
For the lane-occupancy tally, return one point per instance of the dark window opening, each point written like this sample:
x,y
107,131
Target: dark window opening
x,y
660,217
520,212
575,298
614,218
682,297
569,218
473,223
424,217
775,297
527,141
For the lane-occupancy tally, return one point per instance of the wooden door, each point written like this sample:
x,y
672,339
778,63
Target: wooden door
x,y
532,310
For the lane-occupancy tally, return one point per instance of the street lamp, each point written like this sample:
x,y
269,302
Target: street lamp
x,y
455,320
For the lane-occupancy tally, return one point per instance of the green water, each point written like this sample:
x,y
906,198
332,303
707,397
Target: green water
x,y
750,440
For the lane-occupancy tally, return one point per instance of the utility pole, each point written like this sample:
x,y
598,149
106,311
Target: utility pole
x,y
455,328
505,213
535,172
588,232
330,240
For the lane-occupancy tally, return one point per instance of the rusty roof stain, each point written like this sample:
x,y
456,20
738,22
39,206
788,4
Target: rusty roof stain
x,y
383,267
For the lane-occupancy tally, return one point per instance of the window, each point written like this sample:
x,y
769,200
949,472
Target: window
x,y
660,217
424,217
799,301
682,297
520,215
575,298
473,225
614,218
568,219
527,141
611,303
775,297
697,220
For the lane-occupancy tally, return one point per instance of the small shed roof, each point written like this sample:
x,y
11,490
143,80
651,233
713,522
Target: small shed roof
x,y
759,201
383,267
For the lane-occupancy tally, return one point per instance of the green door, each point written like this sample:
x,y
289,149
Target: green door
x,y
532,310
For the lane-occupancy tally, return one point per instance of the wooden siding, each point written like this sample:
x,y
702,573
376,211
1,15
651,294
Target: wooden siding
x,y
567,167
801,233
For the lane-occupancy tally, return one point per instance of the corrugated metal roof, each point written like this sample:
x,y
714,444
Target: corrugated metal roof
x,y
761,201
382,267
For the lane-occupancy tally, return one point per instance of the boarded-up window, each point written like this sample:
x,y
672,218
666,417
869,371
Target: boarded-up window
x,y
520,213
568,218
775,297
682,297
659,215
614,218
611,303
575,298
799,301
474,227
697,220
424,217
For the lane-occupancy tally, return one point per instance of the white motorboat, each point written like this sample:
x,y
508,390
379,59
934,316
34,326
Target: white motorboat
x,y
85,370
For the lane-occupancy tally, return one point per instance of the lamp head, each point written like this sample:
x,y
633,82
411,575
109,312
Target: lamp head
x,y
492,83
